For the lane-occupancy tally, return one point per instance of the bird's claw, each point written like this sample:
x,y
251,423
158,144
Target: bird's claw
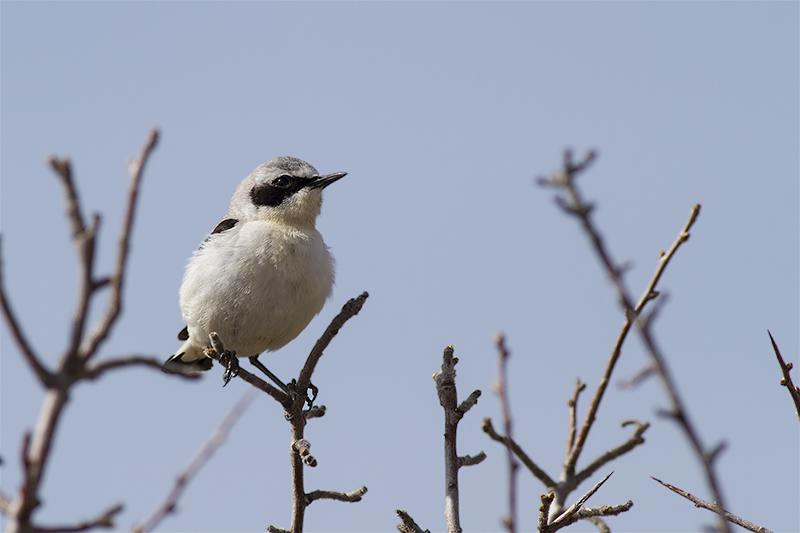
x,y
231,364
314,391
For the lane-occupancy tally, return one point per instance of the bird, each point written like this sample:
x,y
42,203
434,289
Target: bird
x,y
262,274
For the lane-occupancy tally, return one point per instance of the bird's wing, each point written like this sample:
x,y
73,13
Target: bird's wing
x,y
224,225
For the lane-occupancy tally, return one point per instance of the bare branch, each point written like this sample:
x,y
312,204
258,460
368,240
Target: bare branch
x,y
350,309
198,461
578,512
467,404
297,417
94,370
787,378
45,377
608,456
354,496
407,524
215,352
136,170
63,168
448,398
106,520
630,316
502,391
573,415
540,474
575,205
705,505
468,460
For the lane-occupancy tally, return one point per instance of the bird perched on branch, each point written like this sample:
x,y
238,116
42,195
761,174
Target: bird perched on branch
x,y
263,273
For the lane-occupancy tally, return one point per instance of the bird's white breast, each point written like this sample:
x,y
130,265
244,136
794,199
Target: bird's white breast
x,y
258,285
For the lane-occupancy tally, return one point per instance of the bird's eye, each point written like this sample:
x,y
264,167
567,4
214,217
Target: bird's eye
x,y
281,181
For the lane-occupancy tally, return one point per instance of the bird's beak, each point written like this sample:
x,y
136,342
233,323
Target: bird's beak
x,y
320,182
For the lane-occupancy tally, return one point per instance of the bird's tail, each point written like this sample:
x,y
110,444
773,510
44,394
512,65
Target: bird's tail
x,y
189,358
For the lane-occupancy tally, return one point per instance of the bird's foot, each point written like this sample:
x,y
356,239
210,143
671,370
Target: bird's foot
x,y
311,387
231,364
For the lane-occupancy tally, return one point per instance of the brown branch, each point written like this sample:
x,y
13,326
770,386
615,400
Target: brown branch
x,y
37,446
350,309
44,375
135,169
649,294
787,378
576,206
540,474
94,370
502,391
105,520
198,461
297,417
218,348
635,440
705,505
573,415
85,239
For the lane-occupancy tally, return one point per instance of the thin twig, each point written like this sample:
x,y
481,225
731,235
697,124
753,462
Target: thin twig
x,y
45,377
350,309
635,440
198,461
136,170
105,520
94,370
85,240
540,474
573,415
576,206
705,505
297,417
787,378
502,391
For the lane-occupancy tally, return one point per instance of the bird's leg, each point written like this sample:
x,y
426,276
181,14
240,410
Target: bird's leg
x,y
231,364
281,385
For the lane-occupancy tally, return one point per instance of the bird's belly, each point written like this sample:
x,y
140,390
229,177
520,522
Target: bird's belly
x,y
257,298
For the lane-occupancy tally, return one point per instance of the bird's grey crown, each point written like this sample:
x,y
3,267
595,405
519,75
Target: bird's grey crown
x,y
286,165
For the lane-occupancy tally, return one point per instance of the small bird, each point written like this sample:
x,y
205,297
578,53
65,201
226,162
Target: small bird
x,y
263,273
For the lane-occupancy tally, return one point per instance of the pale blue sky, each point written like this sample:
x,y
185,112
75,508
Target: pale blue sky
x,y
442,114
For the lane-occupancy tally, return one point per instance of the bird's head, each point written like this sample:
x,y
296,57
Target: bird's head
x,y
283,189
